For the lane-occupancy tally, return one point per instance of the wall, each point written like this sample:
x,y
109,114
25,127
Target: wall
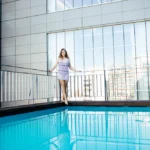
x,y
25,24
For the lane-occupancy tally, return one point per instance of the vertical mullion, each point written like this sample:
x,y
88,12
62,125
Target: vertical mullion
x,y
136,64
105,84
70,87
125,61
147,61
74,88
81,87
114,72
96,86
89,85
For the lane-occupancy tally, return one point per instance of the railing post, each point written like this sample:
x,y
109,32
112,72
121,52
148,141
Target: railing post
x,y
105,85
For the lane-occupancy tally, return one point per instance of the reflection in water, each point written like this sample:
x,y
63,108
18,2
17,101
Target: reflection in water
x,y
77,128
64,136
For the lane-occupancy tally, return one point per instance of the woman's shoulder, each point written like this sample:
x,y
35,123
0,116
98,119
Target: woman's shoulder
x,y
59,59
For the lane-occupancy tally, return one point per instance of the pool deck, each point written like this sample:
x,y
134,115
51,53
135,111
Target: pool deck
x,y
28,108
141,103
41,106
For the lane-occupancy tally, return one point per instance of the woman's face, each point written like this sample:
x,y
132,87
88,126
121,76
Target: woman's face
x,y
63,53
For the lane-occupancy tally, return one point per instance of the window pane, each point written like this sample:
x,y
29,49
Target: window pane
x,y
119,57
98,42
51,6
108,58
79,49
108,47
96,1
86,2
105,1
98,48
130,56
108,40
129,34
51,50
120,84
140,43
118,35
142,84
141,60
148,37
88,49
70,46
60,5
77,3
129,45
131,84
68,4
60,42
118,46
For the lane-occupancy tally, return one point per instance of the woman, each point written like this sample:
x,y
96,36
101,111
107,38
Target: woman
x,y
63,63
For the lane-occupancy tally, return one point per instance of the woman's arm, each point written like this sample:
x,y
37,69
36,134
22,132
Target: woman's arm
x,y
73,69
54,66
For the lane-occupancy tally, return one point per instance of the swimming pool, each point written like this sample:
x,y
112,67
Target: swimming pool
x,y
77,128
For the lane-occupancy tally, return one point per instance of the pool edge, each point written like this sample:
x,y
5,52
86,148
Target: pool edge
x,y
8,111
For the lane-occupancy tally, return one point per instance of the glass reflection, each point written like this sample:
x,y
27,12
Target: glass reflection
x,y
86,2
148,38
117,53
88,49
108,47
118,46
51,6
77,3
141,61
140,36
60,4
52,49
77,128
98,48
105,1
68,4
96,1
69,39
60,42
79,49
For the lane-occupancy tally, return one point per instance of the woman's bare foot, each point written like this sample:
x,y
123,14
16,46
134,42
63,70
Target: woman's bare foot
x,y
63,99
66,101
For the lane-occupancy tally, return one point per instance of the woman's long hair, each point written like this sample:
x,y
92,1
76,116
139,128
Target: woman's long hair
x,y
66,55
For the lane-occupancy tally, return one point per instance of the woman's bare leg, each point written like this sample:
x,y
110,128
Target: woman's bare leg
x,y
62,83
66,83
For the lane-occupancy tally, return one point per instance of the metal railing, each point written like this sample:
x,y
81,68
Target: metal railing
x,y
23,86
29,86
110,85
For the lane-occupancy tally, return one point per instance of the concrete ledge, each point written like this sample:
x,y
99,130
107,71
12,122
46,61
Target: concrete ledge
x,y
41,106
28,108
110,103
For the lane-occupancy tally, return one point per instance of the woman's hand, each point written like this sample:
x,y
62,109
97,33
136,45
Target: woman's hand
x,y
79,71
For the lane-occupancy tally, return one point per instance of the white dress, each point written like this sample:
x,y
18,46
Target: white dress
x,y
63,71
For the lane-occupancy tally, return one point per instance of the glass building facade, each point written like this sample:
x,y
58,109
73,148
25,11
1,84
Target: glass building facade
x,y
109,40
114,58
60,5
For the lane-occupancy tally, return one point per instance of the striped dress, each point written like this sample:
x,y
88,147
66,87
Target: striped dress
x,y
63,71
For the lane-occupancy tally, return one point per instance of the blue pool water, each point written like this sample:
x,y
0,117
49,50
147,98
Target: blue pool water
x,y
77,128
